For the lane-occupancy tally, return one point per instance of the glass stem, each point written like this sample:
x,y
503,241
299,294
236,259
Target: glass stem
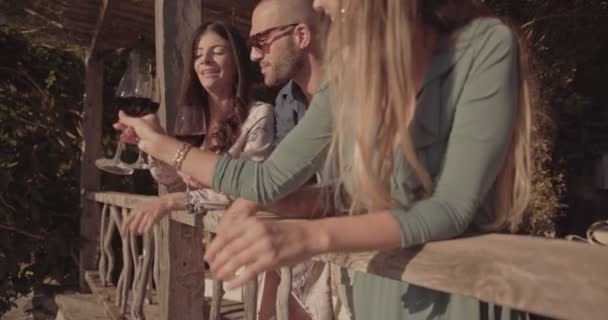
x,y
119,148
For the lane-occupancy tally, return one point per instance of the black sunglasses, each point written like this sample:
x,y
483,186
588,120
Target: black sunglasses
x,y
261,40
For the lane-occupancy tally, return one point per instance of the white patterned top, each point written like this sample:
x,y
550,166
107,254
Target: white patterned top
x,y
254,143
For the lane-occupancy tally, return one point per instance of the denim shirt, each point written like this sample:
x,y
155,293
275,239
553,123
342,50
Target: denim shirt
x,y
290,107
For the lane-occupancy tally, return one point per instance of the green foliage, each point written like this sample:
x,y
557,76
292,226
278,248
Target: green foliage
x,y
40,103
568,49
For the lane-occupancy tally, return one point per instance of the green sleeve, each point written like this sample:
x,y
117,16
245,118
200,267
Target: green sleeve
x,y
294,161
481,131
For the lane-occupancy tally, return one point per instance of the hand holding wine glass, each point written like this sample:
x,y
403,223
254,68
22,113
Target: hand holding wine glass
x,y
135,96
138,130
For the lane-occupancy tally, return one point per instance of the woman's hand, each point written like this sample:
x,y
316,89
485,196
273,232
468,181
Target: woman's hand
x,y
254,245
193,183
142,218
139,130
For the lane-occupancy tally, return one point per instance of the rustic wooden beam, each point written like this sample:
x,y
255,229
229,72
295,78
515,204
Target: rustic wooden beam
x,y
100,25
555,278
175,23
90,178
181,268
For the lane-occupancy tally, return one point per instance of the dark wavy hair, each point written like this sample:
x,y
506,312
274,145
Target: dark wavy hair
x,y
193,94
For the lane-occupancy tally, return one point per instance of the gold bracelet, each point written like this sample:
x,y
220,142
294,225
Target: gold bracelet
x,y
180,155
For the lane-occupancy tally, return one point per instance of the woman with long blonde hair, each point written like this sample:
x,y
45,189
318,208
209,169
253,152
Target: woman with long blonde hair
x,y
427,113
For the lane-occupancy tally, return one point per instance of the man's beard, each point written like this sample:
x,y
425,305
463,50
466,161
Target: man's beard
x,y
290,64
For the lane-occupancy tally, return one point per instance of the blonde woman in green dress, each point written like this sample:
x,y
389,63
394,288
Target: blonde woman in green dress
x,y
427,114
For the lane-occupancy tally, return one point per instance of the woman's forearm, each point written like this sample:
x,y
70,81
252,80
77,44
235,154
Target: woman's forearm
x,y
306,202
365,232
199,164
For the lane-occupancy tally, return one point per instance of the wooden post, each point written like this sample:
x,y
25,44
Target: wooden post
x,y
90,179
175,23
181,269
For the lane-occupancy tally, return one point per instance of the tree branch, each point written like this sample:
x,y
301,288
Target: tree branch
x,y
38,15
27,76
22,232
561,16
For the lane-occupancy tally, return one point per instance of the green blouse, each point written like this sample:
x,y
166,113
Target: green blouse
x,y
462,127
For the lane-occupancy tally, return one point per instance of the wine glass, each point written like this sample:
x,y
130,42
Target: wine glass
x,y
135,96
190,127
115,165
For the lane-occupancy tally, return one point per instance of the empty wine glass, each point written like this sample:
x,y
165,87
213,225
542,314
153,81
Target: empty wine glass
x,y
136,97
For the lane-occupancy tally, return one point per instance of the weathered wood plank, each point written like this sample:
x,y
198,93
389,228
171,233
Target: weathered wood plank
x,y
90,178
119,199
182,272
174,23
79,307
106,297
186,218
555,278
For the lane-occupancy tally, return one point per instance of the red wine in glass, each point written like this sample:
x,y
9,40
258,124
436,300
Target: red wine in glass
x,y
193,139
190,125
136,106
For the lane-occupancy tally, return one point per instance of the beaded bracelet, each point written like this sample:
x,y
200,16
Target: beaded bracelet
x,y
192,206
180,155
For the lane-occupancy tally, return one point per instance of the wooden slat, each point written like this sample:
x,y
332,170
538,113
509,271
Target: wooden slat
x,y
555,278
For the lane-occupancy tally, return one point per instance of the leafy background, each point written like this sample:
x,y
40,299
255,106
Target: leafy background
x,y
41,88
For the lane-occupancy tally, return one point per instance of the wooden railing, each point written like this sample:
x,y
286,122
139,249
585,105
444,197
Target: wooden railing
x,y
555,278
141,269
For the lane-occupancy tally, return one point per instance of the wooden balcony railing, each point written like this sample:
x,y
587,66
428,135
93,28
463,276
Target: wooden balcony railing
x,y
550,277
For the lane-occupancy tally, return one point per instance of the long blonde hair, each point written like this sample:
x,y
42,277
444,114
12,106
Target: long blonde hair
x,y
369,66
